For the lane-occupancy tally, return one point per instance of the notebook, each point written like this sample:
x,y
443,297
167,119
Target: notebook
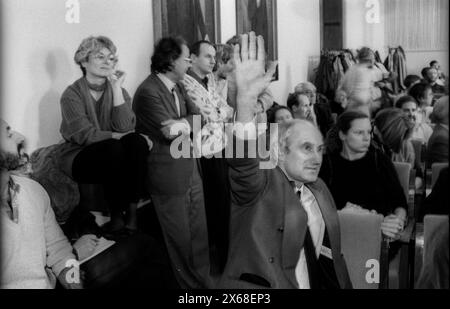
x,y
102,245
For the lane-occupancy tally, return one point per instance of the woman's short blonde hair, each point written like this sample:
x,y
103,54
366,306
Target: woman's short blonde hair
x,y
90,45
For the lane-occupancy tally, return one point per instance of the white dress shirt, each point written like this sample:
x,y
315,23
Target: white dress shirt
x,y
316,227
171,87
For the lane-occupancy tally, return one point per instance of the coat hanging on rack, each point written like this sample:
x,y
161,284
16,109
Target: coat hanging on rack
x,y
396,63
333,64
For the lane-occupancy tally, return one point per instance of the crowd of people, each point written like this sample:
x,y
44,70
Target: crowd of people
x,y
224,221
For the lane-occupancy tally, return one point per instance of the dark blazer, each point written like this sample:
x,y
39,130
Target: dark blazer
x,y
437,149
268,227
153,103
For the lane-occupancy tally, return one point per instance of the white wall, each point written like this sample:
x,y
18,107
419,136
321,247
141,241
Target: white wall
x,y
38,47
228,20
417,60
298,43
357,31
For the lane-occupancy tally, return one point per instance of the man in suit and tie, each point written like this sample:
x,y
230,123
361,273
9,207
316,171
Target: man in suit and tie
x,y
284,224
163,109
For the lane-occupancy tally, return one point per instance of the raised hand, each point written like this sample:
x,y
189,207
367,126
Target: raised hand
x,y
392,226
249,75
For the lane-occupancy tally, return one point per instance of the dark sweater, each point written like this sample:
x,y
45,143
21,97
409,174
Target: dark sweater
x,y
78,126
370,182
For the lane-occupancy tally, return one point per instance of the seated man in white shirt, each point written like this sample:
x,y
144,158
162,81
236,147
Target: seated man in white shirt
x,y
34,250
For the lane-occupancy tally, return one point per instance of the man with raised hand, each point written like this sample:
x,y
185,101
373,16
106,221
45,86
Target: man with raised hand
x,y
284,224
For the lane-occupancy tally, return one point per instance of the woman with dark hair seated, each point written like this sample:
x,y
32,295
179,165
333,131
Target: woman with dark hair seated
x,y
392,135
279,114
97,126
360,176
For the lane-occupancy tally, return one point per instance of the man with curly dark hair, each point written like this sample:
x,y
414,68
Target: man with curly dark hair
x,y
163,113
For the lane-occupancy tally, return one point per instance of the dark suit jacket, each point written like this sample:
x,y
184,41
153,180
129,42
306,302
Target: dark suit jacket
x,y
153,103
268,226
437,149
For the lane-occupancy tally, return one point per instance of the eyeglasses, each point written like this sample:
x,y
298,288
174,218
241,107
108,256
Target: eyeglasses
x,y
102,58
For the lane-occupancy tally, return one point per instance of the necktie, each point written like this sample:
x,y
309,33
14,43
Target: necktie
x,y
310,254
177,102
205,82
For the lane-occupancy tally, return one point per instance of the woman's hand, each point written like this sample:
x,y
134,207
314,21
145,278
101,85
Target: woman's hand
x,y
85,246
117,78
392,226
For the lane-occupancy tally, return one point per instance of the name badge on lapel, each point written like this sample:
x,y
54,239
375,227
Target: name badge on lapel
x,y
326,252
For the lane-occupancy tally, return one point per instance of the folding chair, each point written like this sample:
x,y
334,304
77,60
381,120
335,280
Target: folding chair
x,y
419,149
364,249
430,228
436,169
432,175
401,267
406,176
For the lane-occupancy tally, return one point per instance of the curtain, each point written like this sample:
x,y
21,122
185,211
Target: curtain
x,y
417,24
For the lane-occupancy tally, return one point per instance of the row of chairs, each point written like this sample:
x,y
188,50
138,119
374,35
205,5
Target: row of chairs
x,y
366,250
